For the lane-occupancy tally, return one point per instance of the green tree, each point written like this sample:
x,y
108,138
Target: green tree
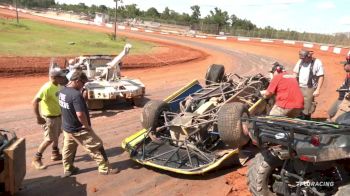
x,y
132,11
196,14
217,17
152,12
166,14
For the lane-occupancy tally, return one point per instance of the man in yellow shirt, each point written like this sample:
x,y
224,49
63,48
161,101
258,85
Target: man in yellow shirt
x,y
48,115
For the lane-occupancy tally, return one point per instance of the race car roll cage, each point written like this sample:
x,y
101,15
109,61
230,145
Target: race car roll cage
x,y
228,91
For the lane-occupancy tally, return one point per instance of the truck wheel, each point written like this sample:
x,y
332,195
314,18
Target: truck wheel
x,y
230,124
151,116
260,173
215,74
94,104
138,101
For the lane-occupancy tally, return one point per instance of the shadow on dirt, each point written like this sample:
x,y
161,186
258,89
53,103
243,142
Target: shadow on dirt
x,y
52,185
120,165
111,152
112,108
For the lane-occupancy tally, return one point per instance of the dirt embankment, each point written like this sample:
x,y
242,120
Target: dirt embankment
x,y
25,66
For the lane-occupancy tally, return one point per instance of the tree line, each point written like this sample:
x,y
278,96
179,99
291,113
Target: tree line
x,y
215,22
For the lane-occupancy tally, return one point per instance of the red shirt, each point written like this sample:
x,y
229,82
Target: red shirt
x,y
287,91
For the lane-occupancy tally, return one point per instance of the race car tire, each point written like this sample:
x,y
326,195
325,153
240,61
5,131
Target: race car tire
x,y
215,74
151,116
260,172
230,124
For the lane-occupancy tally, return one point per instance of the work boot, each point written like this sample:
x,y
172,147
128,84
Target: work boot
x,y
109,172
56,155
37,162
70,172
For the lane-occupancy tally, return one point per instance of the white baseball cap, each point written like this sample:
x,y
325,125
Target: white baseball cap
x,y
57,72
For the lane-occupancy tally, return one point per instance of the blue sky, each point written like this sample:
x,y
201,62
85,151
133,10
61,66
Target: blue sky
x,y
320,16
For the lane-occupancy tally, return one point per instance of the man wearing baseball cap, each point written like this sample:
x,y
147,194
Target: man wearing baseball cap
x,y
289,100
48,115
310,76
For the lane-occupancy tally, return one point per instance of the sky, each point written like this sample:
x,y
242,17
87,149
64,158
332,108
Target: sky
x,y
318,16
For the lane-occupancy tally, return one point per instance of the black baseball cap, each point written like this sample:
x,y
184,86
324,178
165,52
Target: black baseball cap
x,y
276,65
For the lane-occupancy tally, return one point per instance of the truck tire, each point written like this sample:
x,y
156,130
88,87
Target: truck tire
x,y
138,101
230,124
215,74
151,115
95,104
260,172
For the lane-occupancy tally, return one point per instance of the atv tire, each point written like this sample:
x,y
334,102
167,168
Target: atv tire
x,y
151,115
215,74
230,124
260,173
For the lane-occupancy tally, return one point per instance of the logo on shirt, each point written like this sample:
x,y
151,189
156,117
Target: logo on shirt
x,y
62,101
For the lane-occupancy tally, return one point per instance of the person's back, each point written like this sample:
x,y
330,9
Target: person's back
x,y
71,101
288,93
289,99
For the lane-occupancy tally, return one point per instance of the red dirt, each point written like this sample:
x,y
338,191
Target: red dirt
x,y
19,66
116,124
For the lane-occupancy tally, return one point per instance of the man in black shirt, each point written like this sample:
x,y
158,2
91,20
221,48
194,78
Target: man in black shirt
x,y
346,85
77,127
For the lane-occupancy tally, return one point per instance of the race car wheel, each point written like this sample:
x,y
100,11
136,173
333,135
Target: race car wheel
x,y
260,173
215,74
230,124
152,114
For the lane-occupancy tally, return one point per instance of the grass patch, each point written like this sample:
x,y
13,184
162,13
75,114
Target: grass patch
x,y
31,38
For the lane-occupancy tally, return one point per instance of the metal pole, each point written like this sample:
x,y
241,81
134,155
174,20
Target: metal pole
x,y
17,13
115,20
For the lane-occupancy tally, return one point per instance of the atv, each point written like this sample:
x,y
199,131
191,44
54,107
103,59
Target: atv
x,y
198,128
299,157
12,162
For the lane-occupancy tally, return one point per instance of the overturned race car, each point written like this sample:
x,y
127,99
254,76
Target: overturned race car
x,y
197,128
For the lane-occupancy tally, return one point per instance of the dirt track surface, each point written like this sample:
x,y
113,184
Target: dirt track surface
x,y
120,121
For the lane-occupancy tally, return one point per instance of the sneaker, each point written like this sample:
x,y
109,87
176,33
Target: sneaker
x,y
109,172
71,172
38,164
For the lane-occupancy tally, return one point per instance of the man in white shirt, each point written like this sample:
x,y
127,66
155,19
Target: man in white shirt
x,y
310,75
